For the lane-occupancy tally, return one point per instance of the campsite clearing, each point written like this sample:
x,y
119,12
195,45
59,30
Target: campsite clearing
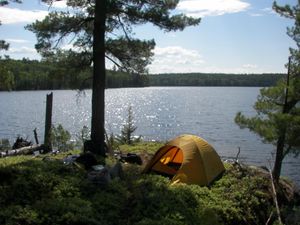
x,y
39,191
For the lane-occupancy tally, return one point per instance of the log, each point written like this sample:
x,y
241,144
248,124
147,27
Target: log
x,y
22,151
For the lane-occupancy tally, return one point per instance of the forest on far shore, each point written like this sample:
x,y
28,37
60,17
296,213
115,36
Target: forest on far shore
x,y
26,74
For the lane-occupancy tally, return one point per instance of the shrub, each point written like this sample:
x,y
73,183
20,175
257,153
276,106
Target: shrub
x,y
4,144
61,138
83,136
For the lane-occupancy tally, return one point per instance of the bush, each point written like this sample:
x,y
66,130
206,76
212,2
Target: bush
x,y
83,136
36,191
61,138
4,144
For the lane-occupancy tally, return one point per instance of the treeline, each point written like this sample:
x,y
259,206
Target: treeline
x,y
28,74
216,79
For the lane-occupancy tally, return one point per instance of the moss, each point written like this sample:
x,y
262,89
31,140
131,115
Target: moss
x,y
142,147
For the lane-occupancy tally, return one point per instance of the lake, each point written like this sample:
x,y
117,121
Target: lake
x,y
160,113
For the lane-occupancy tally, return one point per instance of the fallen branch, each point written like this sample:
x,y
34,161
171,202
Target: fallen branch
x,y
275,198
269,219
22,151
237,155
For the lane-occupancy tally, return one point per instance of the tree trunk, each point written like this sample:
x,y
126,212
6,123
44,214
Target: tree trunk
x,y
48,122
287,107
98,95
279,157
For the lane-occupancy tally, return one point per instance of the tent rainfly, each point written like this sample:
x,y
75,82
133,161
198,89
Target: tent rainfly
x,y
187,159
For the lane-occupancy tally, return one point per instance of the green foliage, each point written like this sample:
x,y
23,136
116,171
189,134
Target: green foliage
x,y
118,79
6,79
61,138
59,73
111,143
127,52
205,79
37,191
155,201
42,192
83,136
49,74
3,45
278,110
4,144
142,147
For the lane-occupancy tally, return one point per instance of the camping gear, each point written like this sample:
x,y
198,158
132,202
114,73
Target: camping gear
x,y
187,159
131,158
102,175
99,175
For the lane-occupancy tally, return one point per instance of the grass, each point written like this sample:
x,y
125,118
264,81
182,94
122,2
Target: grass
x,y
142,147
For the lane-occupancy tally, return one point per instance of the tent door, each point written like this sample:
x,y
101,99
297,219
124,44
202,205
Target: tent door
x,y
169,163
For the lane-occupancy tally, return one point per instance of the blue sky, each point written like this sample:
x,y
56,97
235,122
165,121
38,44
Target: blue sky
x,y
234,36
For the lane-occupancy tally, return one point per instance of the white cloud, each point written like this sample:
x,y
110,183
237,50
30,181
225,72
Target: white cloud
x,y
249,66
57,4
255,14
264,12
67,47
201,8
13,15
175,59
268,10
22,50
71,47
17,41
60,4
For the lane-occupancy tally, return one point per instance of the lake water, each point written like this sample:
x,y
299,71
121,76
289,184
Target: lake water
x,y
160,113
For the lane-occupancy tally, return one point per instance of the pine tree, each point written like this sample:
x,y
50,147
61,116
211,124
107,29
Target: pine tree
x,y
278,108
128,129
103,29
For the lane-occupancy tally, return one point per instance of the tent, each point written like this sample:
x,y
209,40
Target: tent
x,y
187,159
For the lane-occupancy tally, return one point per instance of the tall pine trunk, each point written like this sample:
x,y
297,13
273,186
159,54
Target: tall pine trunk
x,y
279,157
282,135
98,93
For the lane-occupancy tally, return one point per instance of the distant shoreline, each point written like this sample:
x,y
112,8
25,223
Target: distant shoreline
x,y
31,75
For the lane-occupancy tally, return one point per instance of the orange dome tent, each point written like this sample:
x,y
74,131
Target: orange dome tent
x,y
187,159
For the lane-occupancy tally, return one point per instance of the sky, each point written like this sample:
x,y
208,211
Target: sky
x,y
234,36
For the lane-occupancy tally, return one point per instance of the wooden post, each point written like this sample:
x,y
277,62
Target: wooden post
x,y
48,122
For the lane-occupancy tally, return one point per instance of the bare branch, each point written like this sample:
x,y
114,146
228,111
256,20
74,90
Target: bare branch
x,y
113,61
123,28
